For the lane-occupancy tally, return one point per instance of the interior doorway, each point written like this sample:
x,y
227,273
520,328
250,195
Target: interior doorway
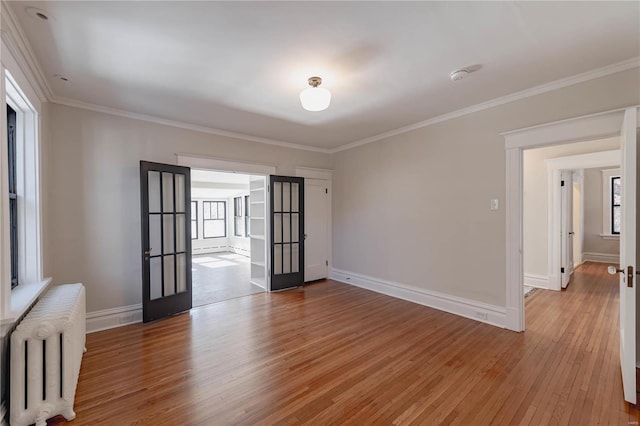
x,y
563,210
221,228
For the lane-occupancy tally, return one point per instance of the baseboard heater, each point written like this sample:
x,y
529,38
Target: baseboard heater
x,y
46,352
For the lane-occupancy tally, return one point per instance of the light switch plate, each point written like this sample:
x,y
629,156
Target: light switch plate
x,y
495,204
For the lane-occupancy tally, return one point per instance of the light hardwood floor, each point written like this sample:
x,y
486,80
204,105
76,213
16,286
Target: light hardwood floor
x,y
335,354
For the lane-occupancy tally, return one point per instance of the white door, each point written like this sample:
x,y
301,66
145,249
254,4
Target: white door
x,y
316,229
628,148
566,226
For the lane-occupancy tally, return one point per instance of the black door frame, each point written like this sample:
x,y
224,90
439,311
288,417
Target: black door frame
x,y
290,280
177,302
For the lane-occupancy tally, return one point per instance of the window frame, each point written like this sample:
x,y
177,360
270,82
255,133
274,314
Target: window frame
x,y
12,164
613,205
237,216
23,99
204,219
607,201
194,218
246,216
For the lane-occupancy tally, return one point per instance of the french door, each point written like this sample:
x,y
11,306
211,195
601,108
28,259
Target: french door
x,y
165,194
287,232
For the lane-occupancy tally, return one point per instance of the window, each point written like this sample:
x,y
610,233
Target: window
x,y
214,219
21,201
615,205
13,194
194,220
237,217
246,215
611,199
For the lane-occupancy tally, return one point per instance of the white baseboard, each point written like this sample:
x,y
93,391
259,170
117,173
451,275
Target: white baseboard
x,y
111,318
212,249
538,281
601,257
483,312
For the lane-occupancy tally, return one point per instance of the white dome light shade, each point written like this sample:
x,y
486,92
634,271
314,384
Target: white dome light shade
x,y
315,98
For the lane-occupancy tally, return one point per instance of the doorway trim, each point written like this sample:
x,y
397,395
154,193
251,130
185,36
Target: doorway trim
x,y
326,175
554,166
579,129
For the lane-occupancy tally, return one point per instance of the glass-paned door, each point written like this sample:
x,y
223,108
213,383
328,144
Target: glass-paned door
x,y
287,232
165,193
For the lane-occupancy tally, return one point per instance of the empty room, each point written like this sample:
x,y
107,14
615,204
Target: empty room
x,y
319,213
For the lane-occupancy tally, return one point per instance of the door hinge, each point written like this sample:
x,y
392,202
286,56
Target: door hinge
x,y
561,183
326,262
562,270
326,190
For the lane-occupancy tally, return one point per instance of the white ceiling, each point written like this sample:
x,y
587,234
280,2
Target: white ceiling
x,y
239,66
207,176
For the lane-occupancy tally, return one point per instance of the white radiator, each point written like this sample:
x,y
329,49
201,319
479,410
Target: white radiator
x,y
46,352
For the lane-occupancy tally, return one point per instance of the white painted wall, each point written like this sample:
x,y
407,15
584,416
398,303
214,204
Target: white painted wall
x,y
593,241
535,200
92,194
444,237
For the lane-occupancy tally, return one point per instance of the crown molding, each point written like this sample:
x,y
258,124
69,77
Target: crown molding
x,y
16,40
533,91
182,125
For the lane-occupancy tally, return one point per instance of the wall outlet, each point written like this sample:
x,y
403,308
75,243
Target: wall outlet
x,y
495,204
482,315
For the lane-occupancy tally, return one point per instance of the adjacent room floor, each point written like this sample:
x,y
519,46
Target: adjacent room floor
x,y
331,353
221,276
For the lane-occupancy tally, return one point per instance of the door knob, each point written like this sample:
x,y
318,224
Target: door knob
x,y
613,270
146,254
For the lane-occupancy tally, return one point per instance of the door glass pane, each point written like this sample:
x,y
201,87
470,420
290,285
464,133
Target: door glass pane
x,y
180,232
154,192
182,272
167,225
169,277
286,196
167,192
295,253
194,230
294,197
277,259
286,227
277,196
295,231
154,234
277,227
180,188
155,282
286,257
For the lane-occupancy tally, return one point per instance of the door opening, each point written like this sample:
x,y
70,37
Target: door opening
x,y
227,232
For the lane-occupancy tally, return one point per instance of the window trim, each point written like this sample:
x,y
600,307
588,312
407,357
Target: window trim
x,y
15,302
224,209
607,198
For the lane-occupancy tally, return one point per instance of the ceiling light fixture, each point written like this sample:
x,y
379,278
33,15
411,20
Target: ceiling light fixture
x,y
315,98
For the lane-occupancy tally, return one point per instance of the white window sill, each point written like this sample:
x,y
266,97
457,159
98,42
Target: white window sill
x,y
610,236
22,297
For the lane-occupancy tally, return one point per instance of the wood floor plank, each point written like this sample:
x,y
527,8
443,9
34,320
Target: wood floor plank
x,y
331,353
